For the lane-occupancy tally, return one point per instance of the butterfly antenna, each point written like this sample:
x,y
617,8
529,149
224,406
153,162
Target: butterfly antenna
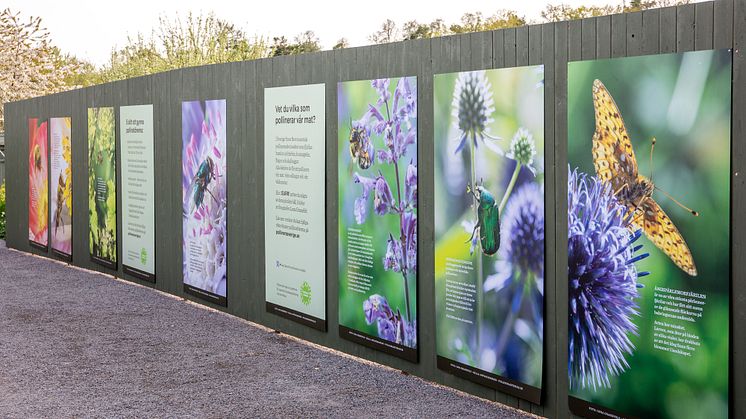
x,y
652,147
694,213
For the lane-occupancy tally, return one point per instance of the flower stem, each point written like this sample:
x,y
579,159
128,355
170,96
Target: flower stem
x,y
510,187
480,291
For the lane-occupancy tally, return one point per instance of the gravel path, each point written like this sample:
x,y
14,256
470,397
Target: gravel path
x,y
74,343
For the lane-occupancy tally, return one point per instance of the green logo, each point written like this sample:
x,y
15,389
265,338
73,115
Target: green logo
x,y
305,293
143,256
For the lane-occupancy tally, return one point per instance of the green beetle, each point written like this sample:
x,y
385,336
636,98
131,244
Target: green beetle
x,y
488,220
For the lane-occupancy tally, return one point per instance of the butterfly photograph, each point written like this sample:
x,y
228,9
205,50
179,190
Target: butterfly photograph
x,y
649,233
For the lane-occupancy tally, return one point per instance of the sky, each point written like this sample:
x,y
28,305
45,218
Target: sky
x,y
91,29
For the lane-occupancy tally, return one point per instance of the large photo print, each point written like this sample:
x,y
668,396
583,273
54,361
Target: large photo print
x,y
489,227
38,186
377,137
204,212
102,187
649,235
62,190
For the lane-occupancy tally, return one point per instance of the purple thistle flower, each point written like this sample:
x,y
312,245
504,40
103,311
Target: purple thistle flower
x,y
603,282
520,266
473,106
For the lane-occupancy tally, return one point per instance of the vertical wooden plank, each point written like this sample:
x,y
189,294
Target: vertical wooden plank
x,y
551,339
498,48
723,24
618,35
562,39
603,37
509,47
535,43
651,31
738,207
480,44
521,46
634,33
574,40
685,28
703,26
588,39
668,30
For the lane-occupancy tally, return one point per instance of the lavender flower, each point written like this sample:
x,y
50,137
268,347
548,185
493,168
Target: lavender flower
x,y
383,199
410,240
473,107
410,185
603,282
392,261
382,88
391,326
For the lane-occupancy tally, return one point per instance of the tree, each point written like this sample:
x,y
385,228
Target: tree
x,y
303,42
388,33
29,64
199,40
341,43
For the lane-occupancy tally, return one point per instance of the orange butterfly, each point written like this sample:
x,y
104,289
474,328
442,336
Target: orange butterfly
x,y
614,160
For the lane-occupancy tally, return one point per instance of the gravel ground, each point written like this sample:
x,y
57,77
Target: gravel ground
x,y
74,343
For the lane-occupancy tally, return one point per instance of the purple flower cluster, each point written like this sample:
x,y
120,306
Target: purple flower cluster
x,y
392,119
391,325
603,282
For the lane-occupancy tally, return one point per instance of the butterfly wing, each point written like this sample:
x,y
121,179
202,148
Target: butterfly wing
x,y
613,156
663,233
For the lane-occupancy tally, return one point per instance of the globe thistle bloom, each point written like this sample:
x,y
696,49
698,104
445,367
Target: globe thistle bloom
x,y
603,283
519,269
473,106
523,149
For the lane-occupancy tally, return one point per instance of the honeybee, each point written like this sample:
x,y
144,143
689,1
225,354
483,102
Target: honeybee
x,y
361,148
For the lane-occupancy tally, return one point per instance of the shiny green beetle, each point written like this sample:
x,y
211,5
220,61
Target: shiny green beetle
x,y
488,220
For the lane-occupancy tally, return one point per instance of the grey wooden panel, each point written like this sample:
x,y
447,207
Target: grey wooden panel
x,y
521,46
498,48
723,24
668,30
651,31
618,35
509,47
685,28
588,39
559,316
480,45
603,37
704,20
535,43
634,33
551,339
738,208
574,41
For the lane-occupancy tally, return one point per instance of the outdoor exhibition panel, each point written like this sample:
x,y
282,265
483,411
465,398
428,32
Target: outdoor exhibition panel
x,y
544,216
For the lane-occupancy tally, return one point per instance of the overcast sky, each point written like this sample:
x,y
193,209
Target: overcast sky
x,y
90,29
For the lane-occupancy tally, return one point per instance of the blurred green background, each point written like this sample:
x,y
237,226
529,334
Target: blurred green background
x,y
518,96
684,100
353,100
